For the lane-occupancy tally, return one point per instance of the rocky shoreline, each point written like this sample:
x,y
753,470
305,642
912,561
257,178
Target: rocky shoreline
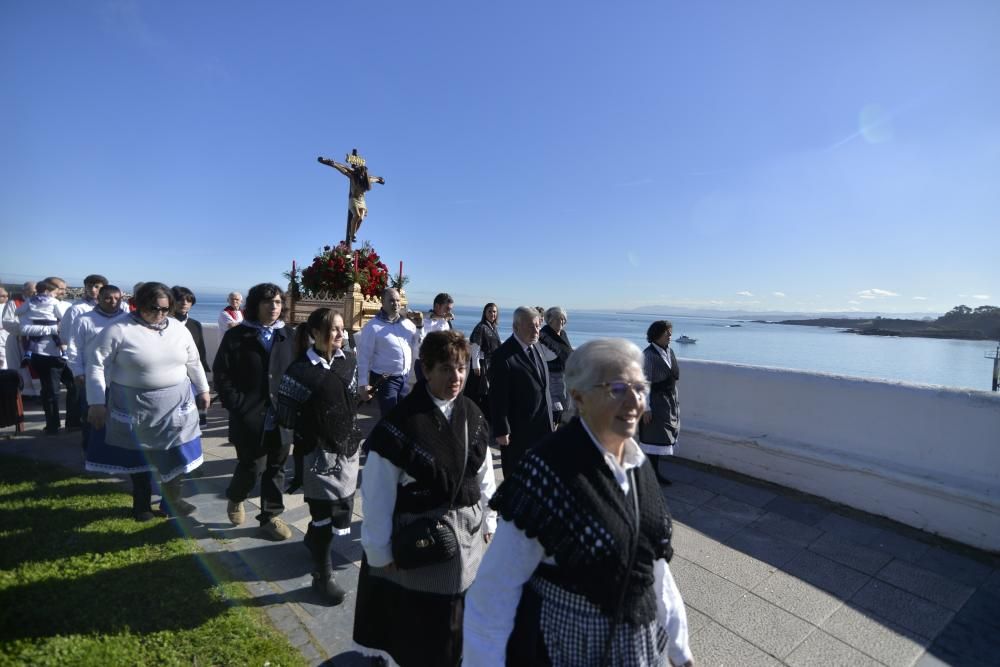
x,y
903,328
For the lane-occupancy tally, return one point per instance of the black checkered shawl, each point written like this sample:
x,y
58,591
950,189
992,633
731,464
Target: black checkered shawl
x,y
416,437
564,495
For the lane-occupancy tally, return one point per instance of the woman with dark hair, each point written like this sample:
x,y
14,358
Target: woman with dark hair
x,y
248,368
145,385
485,340
662,421
318,401
184,299
429,466
578,573
556,350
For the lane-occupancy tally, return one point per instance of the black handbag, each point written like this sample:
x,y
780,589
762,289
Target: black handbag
x,y
428,540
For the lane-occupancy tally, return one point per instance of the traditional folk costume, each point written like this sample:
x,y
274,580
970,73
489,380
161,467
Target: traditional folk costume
x,y
318,401
83,336
484,341
39,318
557,349
577,574
657,438
147,375
422,455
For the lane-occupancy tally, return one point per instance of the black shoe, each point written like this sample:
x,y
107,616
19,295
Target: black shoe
x,y
51,431
324,584
143,516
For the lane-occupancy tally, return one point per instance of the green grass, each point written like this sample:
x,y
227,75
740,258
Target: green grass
x,y
81,583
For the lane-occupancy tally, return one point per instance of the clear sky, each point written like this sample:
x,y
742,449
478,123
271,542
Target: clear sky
x,y
767,154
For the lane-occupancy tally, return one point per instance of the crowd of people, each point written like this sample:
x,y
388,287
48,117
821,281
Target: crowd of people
x,y
565,562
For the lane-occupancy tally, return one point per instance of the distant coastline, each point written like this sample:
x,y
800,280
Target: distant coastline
x,y
961,323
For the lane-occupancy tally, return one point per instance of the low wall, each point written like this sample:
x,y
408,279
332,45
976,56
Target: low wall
x,y
210,331
925,456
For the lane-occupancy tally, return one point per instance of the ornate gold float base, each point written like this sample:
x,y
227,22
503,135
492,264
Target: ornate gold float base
x,y
355,308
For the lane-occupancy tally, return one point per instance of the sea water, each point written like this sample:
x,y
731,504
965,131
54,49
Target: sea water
x,y
945,362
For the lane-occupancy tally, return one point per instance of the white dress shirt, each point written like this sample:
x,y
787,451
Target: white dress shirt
x,y
387,347
513,557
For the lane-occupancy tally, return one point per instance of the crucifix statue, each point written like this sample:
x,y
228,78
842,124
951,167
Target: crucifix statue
x,y
361,182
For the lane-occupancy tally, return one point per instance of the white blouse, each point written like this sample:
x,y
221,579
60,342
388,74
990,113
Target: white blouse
x,y
491,601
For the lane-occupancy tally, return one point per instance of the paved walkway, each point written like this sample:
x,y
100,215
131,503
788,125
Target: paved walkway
x,y
769,576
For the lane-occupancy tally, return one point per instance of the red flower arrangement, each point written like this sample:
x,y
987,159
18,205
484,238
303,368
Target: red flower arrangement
x,y
334,271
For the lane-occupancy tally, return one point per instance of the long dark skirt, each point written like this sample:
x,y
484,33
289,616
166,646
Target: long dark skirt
x,y
414,628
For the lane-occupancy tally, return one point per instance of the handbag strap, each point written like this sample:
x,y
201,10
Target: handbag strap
x,y
465,462
633,550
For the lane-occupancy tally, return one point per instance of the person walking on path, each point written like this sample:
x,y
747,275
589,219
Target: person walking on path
x,y
429,463
484,341
145,386
662,421
83,337
231,315
520,405
318,401
555,343
387,346
578,573
184,299
38,320
248,368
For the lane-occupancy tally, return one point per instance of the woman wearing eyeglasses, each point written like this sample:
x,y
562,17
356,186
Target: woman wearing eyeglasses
x,y
662,421
578,570
145,384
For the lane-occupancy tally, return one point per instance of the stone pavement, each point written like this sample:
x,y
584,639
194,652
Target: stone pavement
x,y
769,576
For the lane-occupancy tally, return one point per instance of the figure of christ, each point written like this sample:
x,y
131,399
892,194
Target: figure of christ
x,y
361,183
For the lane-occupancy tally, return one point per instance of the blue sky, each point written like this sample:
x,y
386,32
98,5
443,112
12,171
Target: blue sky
x,y
781,154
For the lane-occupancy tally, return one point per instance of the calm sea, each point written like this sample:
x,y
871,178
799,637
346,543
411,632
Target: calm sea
x,y
950,363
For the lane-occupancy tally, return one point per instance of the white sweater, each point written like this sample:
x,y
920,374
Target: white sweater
x,y
141,358
86,328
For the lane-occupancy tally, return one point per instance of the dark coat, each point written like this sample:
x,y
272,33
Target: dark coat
x,y
247,380
519,399
194,326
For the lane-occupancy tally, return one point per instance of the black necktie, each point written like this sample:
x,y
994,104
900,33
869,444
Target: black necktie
x,y
535,362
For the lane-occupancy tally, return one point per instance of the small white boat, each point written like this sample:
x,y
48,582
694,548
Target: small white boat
x,y
685,339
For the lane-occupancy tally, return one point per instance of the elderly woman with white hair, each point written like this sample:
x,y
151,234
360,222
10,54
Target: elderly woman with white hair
x,y
578,570
556,349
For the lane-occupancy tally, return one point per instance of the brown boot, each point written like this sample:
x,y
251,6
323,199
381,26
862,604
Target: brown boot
x,y
171,503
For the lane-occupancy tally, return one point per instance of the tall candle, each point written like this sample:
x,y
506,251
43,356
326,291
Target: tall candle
x,y
400,268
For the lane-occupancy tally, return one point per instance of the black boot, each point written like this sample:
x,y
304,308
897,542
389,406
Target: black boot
x,y
171,503
323,581
142,496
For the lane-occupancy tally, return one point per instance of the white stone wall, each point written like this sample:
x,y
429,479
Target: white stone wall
x,y
212,334
925,456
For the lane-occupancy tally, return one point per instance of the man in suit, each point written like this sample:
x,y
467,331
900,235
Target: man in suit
x,y
520,407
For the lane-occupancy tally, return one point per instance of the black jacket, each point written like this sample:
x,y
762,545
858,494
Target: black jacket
x,y
194,326
519,399
247,380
